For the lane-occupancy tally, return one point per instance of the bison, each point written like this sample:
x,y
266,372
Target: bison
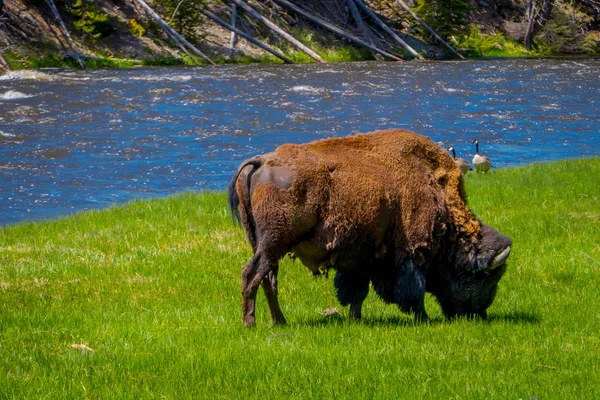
x,y
387,208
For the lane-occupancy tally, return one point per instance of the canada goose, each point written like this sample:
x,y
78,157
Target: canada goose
x,y
481,163
460,162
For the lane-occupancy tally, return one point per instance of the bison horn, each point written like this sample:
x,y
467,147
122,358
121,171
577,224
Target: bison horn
x,y
500,258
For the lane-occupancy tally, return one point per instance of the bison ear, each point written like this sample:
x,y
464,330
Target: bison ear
x,y
500,258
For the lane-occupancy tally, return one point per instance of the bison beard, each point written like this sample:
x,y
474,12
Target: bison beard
x,y
386,208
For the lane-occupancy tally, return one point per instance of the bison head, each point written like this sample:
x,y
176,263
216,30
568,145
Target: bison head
x,y
465,283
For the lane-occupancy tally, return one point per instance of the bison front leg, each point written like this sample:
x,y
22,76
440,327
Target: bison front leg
x,y
402,284
352,288
410,289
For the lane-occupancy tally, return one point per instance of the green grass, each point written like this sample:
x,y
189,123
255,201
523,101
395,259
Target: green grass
x,y
477,44
153,287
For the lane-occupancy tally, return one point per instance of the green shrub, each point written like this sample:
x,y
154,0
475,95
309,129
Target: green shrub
x,y
183,16
135,28
481,45
565,32
446,17
90,21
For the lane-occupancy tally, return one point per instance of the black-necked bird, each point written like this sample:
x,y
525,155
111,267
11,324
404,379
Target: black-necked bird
x,y
461,163
481,163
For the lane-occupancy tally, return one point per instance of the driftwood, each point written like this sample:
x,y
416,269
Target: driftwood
x,y
435,35
278,30
233,34
246,36
63,27
171,32
335,29
387,29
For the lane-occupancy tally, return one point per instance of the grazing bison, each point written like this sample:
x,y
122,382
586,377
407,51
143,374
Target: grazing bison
x,y
386,207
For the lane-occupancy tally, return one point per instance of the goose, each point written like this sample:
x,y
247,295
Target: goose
x,y
460,162
481,163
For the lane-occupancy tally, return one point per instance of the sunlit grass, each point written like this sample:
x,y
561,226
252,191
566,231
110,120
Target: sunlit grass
x,y
153,287
477,44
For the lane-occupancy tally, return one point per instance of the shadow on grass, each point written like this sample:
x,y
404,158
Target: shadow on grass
x,y
341,319
338,319
517,317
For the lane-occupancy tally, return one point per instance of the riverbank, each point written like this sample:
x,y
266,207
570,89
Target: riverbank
x,y
121,34
142,301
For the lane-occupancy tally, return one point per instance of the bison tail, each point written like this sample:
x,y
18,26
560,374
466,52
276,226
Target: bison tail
x,y
232,194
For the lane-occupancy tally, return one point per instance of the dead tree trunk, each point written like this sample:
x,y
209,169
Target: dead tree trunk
x,y
233,33
435,35
246,36
63,27
181,46
3,65
278,30
335,29
360,23
174,38
389,30
537,21
530,17
172,31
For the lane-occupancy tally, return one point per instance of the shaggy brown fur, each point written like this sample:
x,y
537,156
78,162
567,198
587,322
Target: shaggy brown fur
x,y
368,205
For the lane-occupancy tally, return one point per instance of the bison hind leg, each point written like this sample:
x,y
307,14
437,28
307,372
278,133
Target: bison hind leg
x,y
352,289
269,285
262,270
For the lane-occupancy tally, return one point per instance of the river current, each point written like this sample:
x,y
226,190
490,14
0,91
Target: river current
x,y
78,140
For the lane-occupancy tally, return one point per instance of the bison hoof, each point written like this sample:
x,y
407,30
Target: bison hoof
x,y
421,316
279,322
248,322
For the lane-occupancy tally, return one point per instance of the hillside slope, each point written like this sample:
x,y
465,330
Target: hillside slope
x,y
120,32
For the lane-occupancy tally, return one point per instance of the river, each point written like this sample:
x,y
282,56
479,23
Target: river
x,y
78,140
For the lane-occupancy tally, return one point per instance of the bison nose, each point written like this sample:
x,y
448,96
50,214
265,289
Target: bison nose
x,y
500,258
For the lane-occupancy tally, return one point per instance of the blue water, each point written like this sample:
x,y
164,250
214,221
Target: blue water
x,y
77,140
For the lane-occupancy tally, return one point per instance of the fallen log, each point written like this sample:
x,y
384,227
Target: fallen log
x,y
387,29
278,30
360,23
181,46
335,14
246,36
335,29
65,31
172,31
435,35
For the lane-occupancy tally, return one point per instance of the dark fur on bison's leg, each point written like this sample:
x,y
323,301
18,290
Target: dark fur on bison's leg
x,y
410,290
259,268
404,285
352,288
249,295
269,285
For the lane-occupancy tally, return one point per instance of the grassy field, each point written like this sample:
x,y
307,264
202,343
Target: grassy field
x,y
152,289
